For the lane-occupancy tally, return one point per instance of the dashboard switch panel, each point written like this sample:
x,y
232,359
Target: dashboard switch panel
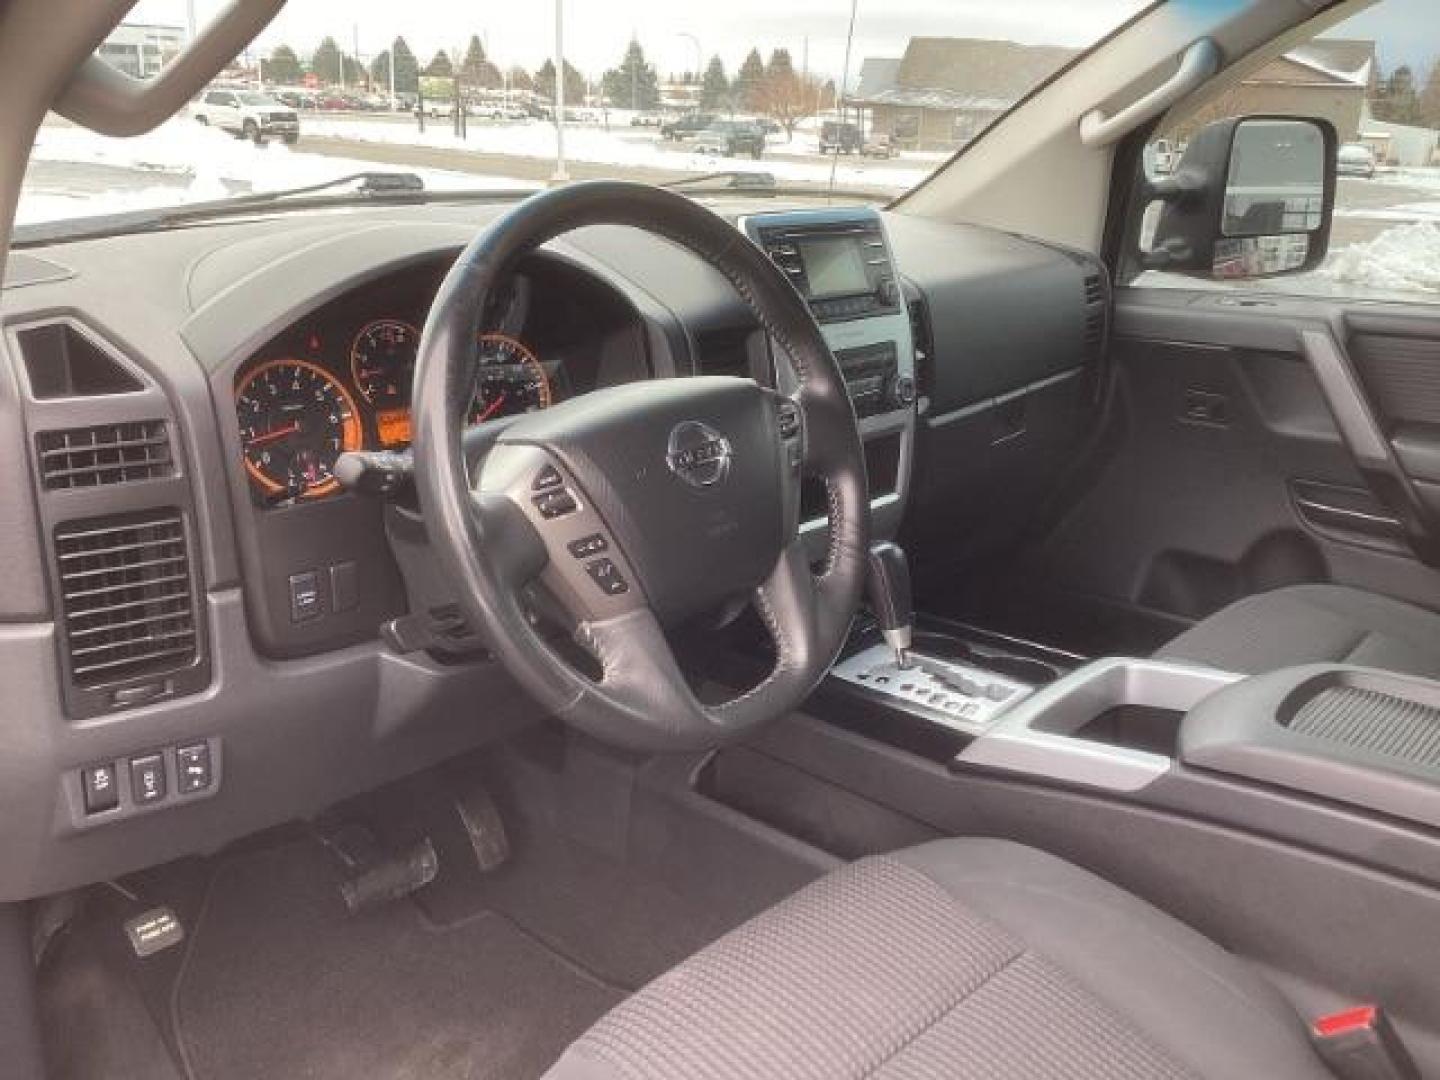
x,y
147,778
305,596
192,768
101,788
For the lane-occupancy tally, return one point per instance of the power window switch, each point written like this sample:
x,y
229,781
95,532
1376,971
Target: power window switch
x,y
607,575
344,587
100,788
192,768
147,779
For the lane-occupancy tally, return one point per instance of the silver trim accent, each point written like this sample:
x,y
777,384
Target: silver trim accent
x,y
1036,737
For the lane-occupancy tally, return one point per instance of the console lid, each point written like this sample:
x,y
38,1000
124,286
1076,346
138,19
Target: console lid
x,y
1355,735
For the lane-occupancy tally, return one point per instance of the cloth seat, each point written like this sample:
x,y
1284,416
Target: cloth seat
x,y
1312,624
959,958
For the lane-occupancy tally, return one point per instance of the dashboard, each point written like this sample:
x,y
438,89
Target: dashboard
x,y
175,403
338,379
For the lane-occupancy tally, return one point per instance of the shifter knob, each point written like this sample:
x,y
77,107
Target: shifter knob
x,y
888,585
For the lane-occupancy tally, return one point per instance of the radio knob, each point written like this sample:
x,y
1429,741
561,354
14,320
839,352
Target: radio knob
x,y
902,392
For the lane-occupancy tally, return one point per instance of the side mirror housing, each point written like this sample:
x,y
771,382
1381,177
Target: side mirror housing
x,y
1252,196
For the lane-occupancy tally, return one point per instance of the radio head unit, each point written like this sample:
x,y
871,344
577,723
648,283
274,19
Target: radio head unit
x,y
840,265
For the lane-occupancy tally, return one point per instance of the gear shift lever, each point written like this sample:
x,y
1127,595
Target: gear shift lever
x,y
888,585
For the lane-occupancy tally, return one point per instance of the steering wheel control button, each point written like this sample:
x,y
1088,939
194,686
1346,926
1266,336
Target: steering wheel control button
x,y
607,575
147,779
548,479
588,546
100,788
192,768
555,504
305,600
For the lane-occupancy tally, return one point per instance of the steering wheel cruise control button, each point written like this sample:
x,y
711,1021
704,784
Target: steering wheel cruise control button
x,y
607,575
555,504
587,546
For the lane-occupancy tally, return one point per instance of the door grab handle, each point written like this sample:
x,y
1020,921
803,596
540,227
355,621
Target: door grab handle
x,y
1200,61
1360,517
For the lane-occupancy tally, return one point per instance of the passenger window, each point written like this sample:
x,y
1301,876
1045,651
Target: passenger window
x,y
1376,77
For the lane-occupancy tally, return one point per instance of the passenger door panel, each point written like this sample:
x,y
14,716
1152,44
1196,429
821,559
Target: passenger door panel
x,y
1261,442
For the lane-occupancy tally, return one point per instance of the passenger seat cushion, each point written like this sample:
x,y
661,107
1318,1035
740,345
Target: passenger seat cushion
x,y
1308,624
933,963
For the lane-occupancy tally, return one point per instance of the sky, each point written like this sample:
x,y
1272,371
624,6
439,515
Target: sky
x,y
597,31
675,32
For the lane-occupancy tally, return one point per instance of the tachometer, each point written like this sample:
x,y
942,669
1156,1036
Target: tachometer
x,y
510,380
382,361
295,421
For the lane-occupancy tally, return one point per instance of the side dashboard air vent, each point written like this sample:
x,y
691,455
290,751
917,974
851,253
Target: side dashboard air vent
x,y
923,338
107,454
125,590
1097,312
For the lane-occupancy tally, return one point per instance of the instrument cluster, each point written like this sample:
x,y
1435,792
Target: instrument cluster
x,y
340,380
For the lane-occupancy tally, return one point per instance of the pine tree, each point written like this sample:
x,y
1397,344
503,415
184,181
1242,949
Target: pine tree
x,y
748,80
634,84
407,68
715,89
574,83
380,70
520,79
1428,107
283,66
1400,99
440,66
1376,92
326,61
780,66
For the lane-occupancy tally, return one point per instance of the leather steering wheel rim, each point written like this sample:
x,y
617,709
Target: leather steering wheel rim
x,y
486,533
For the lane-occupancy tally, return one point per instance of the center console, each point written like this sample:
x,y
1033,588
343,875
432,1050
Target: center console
x,y
840,261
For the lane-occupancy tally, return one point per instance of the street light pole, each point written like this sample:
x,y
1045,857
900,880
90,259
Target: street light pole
x,y
561,176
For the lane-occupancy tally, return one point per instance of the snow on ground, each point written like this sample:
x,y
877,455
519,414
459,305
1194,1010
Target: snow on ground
x,y
191,163
1405,258
623,146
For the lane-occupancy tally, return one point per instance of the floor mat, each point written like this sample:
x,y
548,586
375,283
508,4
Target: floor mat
x,y
282,981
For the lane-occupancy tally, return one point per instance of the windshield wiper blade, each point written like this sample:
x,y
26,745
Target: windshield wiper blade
x,y
728,180
379,186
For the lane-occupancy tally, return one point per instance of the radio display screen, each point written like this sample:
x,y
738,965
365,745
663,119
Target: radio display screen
x,y
834,265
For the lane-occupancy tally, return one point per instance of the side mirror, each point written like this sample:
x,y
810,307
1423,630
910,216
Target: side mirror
x,y
1251,197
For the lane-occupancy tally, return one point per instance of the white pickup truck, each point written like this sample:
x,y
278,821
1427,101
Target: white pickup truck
x,y
248,114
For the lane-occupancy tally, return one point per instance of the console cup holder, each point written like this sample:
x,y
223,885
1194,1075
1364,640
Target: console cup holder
x,y
1109,724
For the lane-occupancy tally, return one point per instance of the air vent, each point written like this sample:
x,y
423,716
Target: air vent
x,y
923,339
1096,311
126,594
108,454
1094,329
62,361
1094,288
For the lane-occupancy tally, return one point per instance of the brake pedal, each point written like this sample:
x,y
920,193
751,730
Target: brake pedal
x,y
484,826
392,878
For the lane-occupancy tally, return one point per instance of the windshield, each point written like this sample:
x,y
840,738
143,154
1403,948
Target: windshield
x,y
465,100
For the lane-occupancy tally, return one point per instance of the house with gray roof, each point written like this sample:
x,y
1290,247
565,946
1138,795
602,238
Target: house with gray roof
x,y
945,91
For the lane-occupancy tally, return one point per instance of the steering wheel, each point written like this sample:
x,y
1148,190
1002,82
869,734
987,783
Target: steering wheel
x,y
637,506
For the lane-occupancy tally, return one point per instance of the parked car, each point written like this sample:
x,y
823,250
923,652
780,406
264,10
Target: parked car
x,y
647,119
1355,159
690,124
842,137
247,114
730,138
879,146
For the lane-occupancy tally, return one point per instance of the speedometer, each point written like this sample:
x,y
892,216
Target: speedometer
x,y
510,379
382,361
296,419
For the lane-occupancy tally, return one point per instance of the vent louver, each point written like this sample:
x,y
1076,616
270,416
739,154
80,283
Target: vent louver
x,y
922,338
1096,313
126,595
107,454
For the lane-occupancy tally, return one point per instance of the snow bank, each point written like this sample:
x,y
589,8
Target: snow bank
x,y
210,164
1403,259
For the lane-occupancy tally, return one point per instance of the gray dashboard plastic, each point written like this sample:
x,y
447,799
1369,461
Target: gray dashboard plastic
x,y
1375,757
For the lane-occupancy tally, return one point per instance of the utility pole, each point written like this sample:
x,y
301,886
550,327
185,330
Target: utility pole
x,y
561,176
190,18
391,65
355,52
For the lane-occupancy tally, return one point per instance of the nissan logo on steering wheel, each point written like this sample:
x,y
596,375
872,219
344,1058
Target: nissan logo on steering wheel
x,y
698,454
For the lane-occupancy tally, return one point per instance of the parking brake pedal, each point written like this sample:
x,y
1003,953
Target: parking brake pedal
x,y
393,878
